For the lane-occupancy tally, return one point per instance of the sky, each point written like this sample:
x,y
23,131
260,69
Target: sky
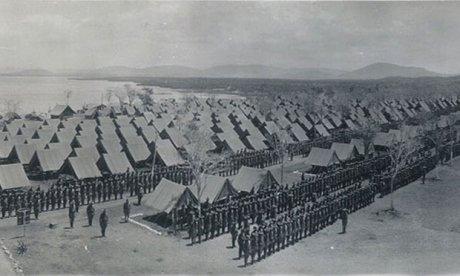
x,y
57,35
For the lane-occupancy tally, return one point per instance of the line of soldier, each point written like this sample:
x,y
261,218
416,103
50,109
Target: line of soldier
x,y
216,218
81,192
219,218
411,172
288,228
283,230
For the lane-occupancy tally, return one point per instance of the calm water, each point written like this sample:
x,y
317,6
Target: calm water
x,y
42,93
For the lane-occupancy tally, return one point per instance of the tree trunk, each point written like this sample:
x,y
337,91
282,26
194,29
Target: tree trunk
x,y
392,181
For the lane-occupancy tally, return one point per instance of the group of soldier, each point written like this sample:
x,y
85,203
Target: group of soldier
x,y
90,212
279,231
60,194
216,218
284,215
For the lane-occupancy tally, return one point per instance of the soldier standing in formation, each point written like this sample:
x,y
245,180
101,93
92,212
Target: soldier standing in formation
x,y
139,196
126,209
90,213
72,213
344,218
103,222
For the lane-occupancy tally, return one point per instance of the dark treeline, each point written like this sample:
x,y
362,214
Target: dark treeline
x,y
391,87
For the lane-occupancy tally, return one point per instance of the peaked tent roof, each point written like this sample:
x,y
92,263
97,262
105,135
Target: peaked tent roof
x,y
89,153
83,167
59,109
13,176
115,163
168,153
344,151
214,188
138,152
5,149
25,152
49,160
359,144
322,157
110,146
250,178
169,195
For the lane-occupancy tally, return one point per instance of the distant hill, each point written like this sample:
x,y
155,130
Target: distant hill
x,y
384,70
30,72
270,72
223,71
373,71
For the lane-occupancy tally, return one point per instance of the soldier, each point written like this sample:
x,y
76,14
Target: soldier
x,y
83,193
72,213
245,248
344,218
99,191
53,198
4,205
260,243
10,204
126,209
48,199
240,243
200,228
120,188
36,207
115,189
192,230
90,213
139,196
64,198
218,221
103,222
77,200
253,240
58,198
104,191
212,216
233,232
207,225
109,190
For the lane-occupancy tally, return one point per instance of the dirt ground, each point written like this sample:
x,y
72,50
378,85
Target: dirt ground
x,y
424,237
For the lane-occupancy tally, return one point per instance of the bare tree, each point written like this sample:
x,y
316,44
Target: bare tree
x,y
109,93
279,144
429,122
198,157
401,148
451,119
120,96
67,94
131,93
145,95
367,131
263,103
